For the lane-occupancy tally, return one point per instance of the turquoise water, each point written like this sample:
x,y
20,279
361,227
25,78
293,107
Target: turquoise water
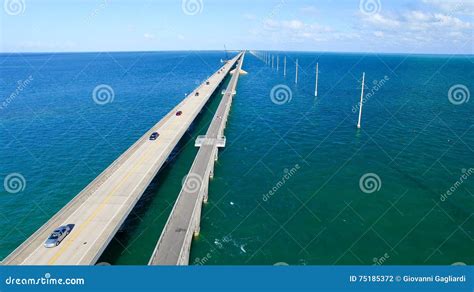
x,y
286,187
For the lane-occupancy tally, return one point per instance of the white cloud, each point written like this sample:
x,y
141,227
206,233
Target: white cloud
x,y
381,21
418,16
250,16
293,24
149,36
416,28
416,20
450,22
421,20
451,7
296,31
270,24
419,29
310,10
379,34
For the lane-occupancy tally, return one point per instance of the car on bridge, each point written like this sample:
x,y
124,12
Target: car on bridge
x,y
57,236
154,136
178,113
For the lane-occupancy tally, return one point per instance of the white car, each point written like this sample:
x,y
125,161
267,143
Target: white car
x,y
57,236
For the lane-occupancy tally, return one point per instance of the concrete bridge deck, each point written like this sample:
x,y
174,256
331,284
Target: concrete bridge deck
x,y
99,210
174,244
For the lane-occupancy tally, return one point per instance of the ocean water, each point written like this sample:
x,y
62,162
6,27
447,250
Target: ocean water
x,y
287,188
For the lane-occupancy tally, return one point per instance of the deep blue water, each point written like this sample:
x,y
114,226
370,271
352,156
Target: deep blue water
x,y
413,138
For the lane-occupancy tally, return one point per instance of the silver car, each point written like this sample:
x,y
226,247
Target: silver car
x,y
57,236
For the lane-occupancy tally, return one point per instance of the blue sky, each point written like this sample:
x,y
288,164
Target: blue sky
x,y
412,26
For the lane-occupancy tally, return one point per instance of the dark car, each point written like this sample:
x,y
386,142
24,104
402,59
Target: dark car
x,y
207,83
178,113
196,94
154,135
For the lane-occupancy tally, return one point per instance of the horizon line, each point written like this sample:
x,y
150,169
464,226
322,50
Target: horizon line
x,y
235,50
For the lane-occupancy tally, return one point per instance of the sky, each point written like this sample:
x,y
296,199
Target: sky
x,y
379,26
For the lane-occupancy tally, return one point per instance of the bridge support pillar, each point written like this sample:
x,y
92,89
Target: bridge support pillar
x,y
211,172
205,195
197,230
197,221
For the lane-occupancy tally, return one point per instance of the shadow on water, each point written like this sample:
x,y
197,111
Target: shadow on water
x,y
418,182
435,195
125,235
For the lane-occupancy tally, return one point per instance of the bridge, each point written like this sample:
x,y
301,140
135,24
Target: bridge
x,y
174,244
99,210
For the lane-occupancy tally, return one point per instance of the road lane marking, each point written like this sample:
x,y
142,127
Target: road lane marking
x,y
96,211
105,201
